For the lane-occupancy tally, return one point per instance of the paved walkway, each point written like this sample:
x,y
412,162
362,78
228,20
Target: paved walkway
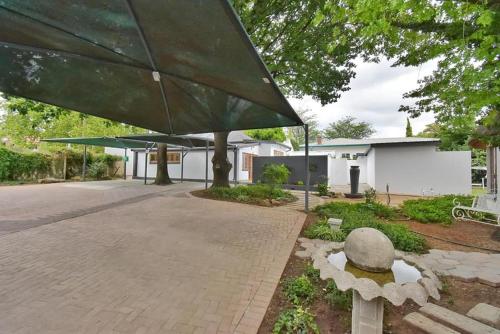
x,y
167,263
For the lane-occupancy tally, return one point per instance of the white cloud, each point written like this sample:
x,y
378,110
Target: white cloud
x,y
375,96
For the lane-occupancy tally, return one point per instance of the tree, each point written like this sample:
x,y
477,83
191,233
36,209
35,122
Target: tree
x,y
348,127
409,130
308,48
273,134
162,177
220,163
296,134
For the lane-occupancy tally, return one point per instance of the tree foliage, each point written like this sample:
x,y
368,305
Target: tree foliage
x,y
409,130
273,134
348,127
296,134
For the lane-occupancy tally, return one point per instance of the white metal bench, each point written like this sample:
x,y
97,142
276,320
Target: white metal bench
x,y
484,209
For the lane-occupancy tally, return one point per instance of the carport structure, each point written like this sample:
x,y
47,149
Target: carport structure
x,y
176,67
145,141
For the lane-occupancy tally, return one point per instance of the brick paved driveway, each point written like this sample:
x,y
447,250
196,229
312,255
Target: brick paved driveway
x,y
154,261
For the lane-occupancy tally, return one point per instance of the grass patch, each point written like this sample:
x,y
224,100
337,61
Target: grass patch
x,y
299,290
364,215
433,210
322,230
251,194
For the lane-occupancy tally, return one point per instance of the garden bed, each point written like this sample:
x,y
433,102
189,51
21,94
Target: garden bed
x,y
335,318
251,194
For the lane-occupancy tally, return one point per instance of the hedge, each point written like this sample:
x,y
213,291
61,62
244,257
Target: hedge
x,y
22,166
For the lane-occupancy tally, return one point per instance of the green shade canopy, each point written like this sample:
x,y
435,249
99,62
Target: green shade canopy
x,y
185,141
173,66
100,141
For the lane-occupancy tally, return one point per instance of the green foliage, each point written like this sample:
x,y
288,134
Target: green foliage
x,y
299,290
311,273
275,175
433,210
370,196
322,230
98,170
23,166
366,215
348,127
297,133
409,130
295,321
251,193
323,189
338,298
273,134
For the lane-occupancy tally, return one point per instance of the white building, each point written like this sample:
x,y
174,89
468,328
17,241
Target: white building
x,y
194,159
412,166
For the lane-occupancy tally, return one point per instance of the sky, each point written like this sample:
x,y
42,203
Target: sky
x,y
375,96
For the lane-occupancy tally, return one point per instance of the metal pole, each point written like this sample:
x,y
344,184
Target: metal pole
x,y
235,164
125,165
146,164
182,164
206,166
306,202
84,167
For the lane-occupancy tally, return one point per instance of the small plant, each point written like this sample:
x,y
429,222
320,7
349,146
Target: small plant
x,y
299,290
296,320
322,230
322,189
300,183
250,194
274,176
311,273
370,196
337,298
98,169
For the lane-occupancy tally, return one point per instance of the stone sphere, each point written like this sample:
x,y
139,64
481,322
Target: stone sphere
x,y
369,249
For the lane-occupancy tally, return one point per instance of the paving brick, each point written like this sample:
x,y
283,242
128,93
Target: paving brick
x,y
427,325
485,313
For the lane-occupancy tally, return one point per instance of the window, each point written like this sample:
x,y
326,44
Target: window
x,y
172,158
277,153
247,161
346,155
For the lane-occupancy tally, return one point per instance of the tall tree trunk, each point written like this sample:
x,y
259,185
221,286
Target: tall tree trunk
x,y
220,163
162,177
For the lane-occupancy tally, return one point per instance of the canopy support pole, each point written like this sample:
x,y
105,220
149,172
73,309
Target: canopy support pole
x,y
84,167
206,164
125,165
306,200
146,164
182,164
235,164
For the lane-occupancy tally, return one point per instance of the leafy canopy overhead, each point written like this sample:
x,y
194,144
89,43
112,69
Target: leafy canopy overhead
x,y
348,127
273,134
297,134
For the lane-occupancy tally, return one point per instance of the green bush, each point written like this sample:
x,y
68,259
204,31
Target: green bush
x,y
365,215
251,193
433,210
335,297
295,321
322,189
299,290
275,175
370,196
322,230
98,169
23,166
311,273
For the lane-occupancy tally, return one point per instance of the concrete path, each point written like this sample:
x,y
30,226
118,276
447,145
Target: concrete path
x,y
167,263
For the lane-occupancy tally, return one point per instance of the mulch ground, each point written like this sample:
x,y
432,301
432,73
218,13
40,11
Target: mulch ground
x,y
457,295
260,202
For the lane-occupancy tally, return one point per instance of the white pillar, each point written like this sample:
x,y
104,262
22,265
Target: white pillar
x,y
367,316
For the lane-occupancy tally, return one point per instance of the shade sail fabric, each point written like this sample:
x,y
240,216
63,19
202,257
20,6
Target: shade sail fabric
x,y
173,66
185,141
100,141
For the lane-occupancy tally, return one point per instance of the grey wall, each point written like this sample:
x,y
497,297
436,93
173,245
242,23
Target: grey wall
x,y
318,167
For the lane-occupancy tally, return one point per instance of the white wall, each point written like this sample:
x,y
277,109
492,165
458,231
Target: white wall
x,y
339,150
421,169
337,172
371,168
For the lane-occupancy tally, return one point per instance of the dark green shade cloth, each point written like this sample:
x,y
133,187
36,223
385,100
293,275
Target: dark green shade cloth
x,y
98,57
100,141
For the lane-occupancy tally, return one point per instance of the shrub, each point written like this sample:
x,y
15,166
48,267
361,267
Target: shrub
x,y
323,189
299,290
370,196
296,320
322,230
98,169
21,166
365,215
433,210
335,297
251,193
275,175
